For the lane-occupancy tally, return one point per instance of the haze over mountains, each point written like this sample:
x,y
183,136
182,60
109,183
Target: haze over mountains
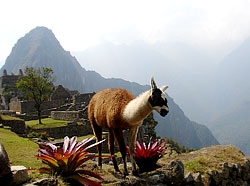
x,y
212,90
40,48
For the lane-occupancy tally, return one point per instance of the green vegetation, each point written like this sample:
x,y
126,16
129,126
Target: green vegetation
x,y
84,137
175,146
5,117
38,85
41,135
47,122
198,165
21,151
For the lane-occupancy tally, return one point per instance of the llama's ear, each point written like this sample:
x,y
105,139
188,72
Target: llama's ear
x,y
153,84
163,88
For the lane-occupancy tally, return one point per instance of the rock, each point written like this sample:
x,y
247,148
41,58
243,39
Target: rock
x,y
5,171
1,125
157,178
225,172
189,179
233,171
175,173
134,181
20,174
46,182
198,179
245,170
211,178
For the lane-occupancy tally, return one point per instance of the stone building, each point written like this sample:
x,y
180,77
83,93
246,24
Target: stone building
x,y
60,93
8,88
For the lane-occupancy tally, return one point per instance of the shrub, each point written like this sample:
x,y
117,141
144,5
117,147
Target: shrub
x,y
41,135
174,146
146,156
66,160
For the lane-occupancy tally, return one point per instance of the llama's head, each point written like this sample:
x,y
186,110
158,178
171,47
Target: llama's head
x,y
158,99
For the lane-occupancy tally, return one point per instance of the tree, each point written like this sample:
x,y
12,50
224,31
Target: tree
x,y
38,85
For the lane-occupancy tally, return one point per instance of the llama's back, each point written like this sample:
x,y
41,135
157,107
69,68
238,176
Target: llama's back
x,y
106,107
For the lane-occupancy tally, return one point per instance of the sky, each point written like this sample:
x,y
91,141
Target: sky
x,y
79,24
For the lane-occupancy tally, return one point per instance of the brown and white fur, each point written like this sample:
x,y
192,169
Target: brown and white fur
x,y
117,110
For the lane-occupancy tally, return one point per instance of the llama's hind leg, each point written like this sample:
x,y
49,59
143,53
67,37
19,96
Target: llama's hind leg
x,y
123,149
112,149
98,133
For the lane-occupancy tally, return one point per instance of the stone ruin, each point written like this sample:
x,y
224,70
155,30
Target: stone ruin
x,y
8,88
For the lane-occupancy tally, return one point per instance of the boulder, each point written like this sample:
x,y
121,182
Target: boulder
x,y
189,179
5,171
175,173
157,178
20,174
198,179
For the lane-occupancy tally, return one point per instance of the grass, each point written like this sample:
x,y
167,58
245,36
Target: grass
x,y
20,150
201,165
5,117
46,123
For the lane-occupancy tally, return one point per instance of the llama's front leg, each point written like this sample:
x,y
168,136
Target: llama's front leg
x,y
122,146
132,140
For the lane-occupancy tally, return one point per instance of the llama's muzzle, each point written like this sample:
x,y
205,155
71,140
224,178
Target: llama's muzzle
x,y
164,112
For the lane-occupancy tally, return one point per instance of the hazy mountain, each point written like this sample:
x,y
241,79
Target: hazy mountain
x,y
40,48
232,99
233,127
233,76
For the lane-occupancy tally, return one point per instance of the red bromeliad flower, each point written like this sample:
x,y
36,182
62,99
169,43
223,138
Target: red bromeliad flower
x,y
66,160
146,156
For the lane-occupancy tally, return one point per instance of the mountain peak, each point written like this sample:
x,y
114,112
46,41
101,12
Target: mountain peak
x,y
38,42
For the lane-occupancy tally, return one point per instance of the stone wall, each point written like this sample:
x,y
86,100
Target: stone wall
x,y
82,98
60,132
17,126
66,115
29,106
9,79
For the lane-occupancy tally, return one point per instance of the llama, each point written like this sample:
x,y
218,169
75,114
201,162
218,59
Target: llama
x,y
118,109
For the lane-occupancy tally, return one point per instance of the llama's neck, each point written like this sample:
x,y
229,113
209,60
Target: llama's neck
x,y
137,109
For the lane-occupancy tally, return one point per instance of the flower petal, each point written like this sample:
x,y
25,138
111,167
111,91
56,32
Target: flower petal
x,y
65,144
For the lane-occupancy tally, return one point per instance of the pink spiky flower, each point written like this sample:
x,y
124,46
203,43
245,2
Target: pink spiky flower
x,y
66,160
146,156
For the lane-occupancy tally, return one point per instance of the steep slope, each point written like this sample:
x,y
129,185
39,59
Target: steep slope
x,y
177,126
40,48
